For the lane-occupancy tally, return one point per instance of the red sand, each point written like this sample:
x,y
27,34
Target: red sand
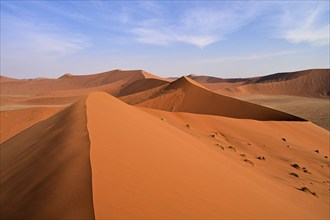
x,y
101,158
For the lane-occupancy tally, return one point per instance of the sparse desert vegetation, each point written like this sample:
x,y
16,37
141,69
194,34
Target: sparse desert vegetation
x,y
234,139
248,161
295,165
232,148
261,158
294,174
305,189
220,146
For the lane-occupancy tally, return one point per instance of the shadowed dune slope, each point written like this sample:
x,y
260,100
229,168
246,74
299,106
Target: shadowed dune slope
x,y
14,121
143,167
141,85
186,95
45,170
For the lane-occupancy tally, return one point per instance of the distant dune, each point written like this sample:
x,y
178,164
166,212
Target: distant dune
x,y
6,79
113,80
306,83
186,95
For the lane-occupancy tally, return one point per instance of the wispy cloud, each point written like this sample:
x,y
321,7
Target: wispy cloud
x,y
199,26
305,23
256,56
38,38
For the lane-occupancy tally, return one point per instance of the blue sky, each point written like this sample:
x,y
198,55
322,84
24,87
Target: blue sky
x,y
166,38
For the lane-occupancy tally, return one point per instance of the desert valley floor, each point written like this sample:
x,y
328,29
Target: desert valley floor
x,y
129,144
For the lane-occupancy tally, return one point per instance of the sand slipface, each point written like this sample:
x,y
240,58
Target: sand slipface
x,y
186,95
15,121
144,167
45,170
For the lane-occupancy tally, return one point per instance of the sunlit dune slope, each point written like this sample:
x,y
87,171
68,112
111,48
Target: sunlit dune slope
x,y
144,167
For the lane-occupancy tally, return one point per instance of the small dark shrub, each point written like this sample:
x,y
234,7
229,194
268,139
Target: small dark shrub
x,y
305,189
294,174
248,161
294,165
232,148
261,158
220,146
305,170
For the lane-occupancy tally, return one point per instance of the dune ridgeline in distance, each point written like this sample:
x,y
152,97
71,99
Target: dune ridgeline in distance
x,y
132,145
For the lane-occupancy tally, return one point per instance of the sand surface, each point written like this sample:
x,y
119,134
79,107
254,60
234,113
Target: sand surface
x,y
45,170
315,110
15,121
165,171
166,149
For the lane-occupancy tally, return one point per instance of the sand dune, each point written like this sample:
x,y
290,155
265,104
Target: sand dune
x,y
70,88
13,122
45,170
6,79
316,110
186,95
306,83
310,83
101,158
71,82
175,150
162,172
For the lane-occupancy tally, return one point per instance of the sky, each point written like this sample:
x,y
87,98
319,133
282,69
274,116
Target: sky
x,y
165,38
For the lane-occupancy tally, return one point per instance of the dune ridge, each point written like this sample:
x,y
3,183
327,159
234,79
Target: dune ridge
x,y
45,170
15,121
186,95
102,158
161,171
305,83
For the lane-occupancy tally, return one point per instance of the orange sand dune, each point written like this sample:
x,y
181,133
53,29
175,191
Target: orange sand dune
x,y
310,83
69,88
101,158
307,83
161,171
6,79
45,170
186,95
15,121
72,82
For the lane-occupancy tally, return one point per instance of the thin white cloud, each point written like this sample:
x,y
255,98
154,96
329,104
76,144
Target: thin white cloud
x,y
22,37
305,23
258,56
198,26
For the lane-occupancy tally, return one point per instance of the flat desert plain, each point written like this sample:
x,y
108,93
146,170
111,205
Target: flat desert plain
x,y
132,145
